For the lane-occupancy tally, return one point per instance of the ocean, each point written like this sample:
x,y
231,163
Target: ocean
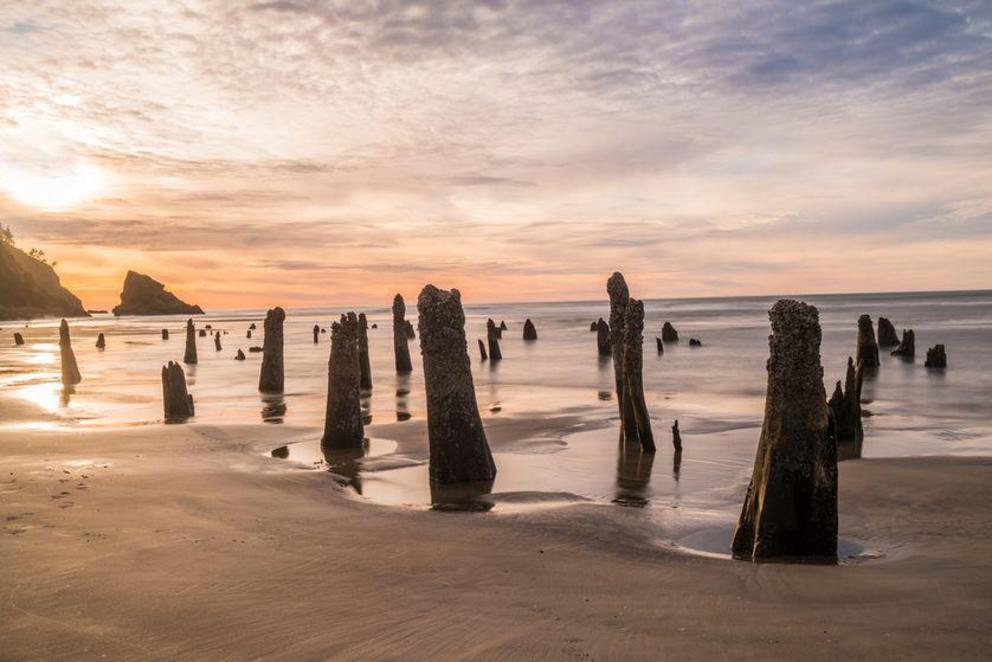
x,y
716,391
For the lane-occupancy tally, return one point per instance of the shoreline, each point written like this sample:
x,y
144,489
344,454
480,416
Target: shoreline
x,y
186,540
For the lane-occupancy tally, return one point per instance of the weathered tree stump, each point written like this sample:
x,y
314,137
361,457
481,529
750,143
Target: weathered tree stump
x,y
603,338
70,370
177,402
633,391
936,357
482,350
867,354
492,336
676,436
101,341
217,341
18,338
364,362
343,427
887,336
845,405
906,348
459,451
668,333
530,332
272,377
316,334
401,348
190,356
791,505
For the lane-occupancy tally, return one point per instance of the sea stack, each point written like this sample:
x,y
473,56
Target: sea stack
x,y
867,354
633,385
401,347
530,333
845,405
190,357
616,288
217,341
364,363
482,350
101,342
906,348
492,336
668,333
70,370
176,401
143,295
18,338
603,337
791,504
316,333
936,357
887,336
272,377
343,421
459,451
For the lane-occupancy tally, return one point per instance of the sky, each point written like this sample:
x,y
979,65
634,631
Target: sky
x,y
306,152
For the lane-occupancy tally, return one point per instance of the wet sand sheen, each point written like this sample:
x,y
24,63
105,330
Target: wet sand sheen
x,y
188,540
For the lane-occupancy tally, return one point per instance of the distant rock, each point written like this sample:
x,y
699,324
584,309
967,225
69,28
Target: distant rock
x,y
887,336
144,295
936,357
668,333
695,342
30,288
96,312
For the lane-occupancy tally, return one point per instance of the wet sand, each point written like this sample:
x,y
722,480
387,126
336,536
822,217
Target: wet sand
x,y
165,541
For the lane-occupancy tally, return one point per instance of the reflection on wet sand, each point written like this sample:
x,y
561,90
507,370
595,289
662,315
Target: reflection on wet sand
x,y
633,475
849,450
461,497
346,464
273,408
402,397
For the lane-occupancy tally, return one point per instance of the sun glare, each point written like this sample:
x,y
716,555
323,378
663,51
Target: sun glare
x,y
53,189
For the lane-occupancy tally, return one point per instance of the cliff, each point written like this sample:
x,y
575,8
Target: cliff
x,y
144,295
30,288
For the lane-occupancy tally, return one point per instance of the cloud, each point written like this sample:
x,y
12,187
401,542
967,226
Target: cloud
x,y
492,140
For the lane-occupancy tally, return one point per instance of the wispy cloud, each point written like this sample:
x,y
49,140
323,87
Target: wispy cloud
x,y
521,148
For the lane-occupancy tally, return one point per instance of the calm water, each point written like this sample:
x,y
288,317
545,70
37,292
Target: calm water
x,y
716,391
